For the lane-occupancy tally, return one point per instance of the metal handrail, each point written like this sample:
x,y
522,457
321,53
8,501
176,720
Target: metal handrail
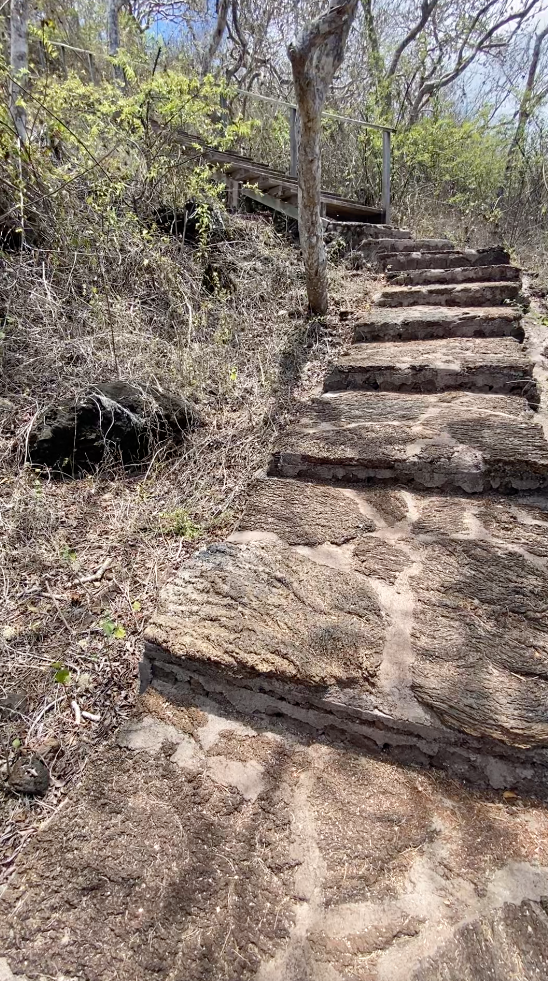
x,y
332,115
386,142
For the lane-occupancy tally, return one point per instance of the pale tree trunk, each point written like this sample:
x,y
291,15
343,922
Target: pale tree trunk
x,y
526,108
216,37
316,55
19,62
113,33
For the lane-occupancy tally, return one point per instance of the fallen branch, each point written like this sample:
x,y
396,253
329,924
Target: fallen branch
x,y
96,576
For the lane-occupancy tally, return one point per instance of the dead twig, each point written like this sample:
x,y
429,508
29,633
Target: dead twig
x,y
99,573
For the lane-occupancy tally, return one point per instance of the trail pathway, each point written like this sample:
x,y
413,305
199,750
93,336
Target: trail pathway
x,y
342,764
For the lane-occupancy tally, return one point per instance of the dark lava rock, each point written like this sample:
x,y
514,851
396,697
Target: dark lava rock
x,y
113,420
29,775
13,705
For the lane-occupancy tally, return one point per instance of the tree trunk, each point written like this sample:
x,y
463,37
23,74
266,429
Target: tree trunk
x,y
19,63
375,59
526,109
309,143
216,37
113,34
315,57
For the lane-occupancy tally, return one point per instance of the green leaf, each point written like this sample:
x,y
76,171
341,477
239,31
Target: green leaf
x,y
67,553
136,606
111,629
62,676
107,626
16,743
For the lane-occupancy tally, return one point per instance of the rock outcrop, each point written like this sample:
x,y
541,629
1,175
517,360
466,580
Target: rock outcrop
x,y
112,421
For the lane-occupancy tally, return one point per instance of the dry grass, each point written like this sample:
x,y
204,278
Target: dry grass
x,y
82,561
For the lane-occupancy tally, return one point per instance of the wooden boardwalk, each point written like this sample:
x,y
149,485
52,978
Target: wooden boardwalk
x,y
276,190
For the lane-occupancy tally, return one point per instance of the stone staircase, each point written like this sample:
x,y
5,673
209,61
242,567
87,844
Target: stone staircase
x,y
360,520
339,771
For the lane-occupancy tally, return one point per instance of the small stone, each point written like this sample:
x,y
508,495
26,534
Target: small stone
x,y
29,775
49,746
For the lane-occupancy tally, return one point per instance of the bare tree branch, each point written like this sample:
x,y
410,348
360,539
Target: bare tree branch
x,y
19,63
464,61
427,8
527,104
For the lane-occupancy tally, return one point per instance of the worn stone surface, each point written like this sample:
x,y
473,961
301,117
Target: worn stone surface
x,y
422,322
358,233
462,274
479,642
314,512
384,246
506,944
341,868
473,364
116,419
445,259
262,607
485,294
449,441
462,651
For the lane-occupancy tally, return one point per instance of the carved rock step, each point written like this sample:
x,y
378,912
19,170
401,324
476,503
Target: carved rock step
x,y
395,636
356,233
387,246
473,364
443,259
466,274
451,441
419,323
450,295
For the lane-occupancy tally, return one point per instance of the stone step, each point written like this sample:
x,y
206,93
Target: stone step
x,y
466,274
451,441
484,294
388,246
460,363
354,233
398,618
420,323
443,259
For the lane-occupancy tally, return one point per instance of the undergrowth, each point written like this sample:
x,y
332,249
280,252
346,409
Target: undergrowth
x,y
95,287
82,561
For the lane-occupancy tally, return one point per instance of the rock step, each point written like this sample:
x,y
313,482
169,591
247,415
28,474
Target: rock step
x,y
355,233
451,441
402,618
420,323
388,246
470,364
462,274
450,295
443,259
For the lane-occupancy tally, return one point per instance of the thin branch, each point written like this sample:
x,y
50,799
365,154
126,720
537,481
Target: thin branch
x,y
427,9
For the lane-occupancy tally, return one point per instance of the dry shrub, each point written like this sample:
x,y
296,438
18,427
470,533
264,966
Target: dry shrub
x,y
82,560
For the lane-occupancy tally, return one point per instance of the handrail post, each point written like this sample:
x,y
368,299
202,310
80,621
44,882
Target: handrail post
x,y
293,166
386,175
